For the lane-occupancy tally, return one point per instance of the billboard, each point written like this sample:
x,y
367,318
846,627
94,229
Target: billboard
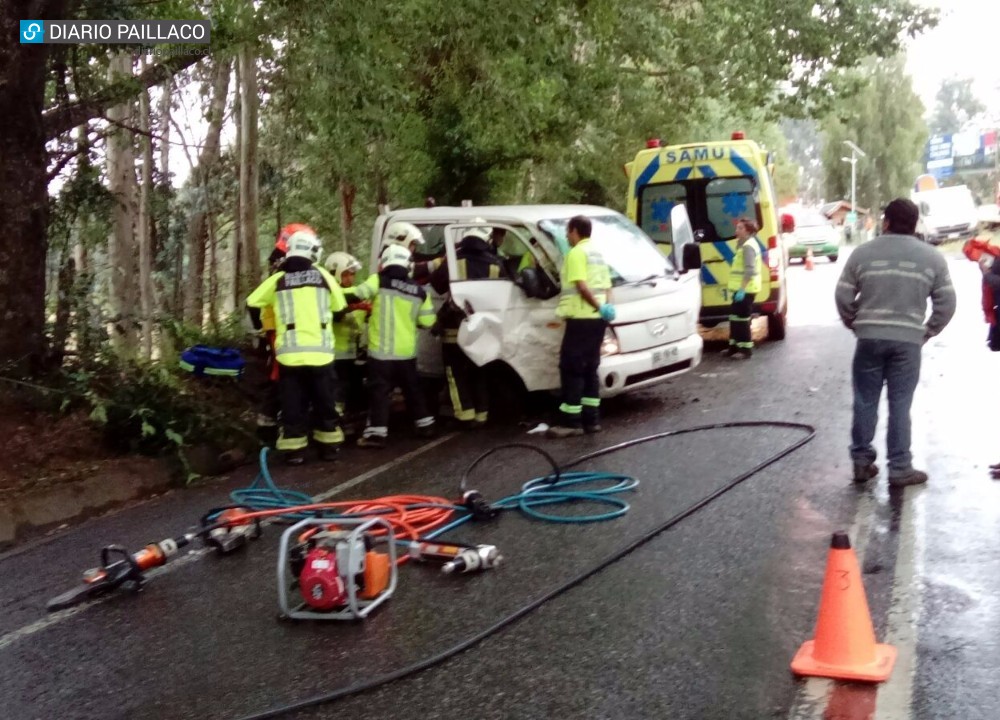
x,y
965,151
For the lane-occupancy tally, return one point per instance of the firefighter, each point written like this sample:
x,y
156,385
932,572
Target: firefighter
x,y
583,303
745,276
303,298
270,405
350,338
468,384
399,307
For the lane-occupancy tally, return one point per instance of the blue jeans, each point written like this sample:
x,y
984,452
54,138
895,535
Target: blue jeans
x,y
896,364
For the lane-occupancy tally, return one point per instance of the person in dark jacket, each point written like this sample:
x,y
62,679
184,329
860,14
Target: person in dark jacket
x,y
467,382
990,267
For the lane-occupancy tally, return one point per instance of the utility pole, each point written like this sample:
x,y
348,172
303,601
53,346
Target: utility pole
x,y
853,160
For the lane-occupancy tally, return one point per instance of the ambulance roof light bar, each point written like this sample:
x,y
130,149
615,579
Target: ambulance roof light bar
x,y
739,135
653,143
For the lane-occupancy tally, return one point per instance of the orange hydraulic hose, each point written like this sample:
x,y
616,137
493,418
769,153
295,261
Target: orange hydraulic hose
x,y
404,513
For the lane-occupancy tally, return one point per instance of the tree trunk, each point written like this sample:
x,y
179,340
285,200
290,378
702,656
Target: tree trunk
x,y
64,304
145,228
197,233
240,274
122,242
248,163
23,188
347,193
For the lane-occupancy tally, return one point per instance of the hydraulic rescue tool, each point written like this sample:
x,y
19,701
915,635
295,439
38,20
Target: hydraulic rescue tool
x,y
228,531
453,556
120,568
337,573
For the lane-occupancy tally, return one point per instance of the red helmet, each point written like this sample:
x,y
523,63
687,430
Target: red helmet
x,y
281,244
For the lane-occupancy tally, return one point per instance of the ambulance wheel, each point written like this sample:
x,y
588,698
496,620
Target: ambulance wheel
x,y
834,258
776,325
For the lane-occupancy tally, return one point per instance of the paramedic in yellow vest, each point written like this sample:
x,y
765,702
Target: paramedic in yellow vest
x,y
303,298
349,339
745,276
583,302
468,384
399,307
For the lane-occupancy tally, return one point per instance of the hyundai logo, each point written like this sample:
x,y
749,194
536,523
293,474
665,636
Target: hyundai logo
x,y
658,329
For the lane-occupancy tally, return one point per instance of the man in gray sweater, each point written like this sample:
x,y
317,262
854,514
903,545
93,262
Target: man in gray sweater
x,y
882,297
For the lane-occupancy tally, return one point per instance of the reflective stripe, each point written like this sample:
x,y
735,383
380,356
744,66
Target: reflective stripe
x,y
571,409
304,349
590,402
494,272
325,317
463,270
424,422
287,443
482,417
331,437
376,431
461,413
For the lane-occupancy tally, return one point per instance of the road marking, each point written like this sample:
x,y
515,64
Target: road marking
x,y
895,697
195,555
814,693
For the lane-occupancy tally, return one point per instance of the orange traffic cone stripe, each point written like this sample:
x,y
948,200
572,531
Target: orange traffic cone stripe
x,y
844,646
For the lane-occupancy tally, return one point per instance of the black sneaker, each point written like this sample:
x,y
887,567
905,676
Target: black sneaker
x,y
864,473
295,457
914,477
743,354
561,431
427,431
729,351
328,452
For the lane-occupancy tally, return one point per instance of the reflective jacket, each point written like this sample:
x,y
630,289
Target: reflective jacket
x,y
399,307
737,270
348,334
583,262
303,298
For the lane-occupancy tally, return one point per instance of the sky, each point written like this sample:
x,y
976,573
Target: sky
x,y
965,43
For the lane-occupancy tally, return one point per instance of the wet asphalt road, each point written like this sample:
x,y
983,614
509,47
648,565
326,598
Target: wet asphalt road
x,y
700,623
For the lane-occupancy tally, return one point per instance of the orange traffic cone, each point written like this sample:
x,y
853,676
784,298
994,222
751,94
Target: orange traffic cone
x,y
809,259
844,645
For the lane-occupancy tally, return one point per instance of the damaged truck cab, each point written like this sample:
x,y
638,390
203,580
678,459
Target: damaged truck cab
x,y
511,320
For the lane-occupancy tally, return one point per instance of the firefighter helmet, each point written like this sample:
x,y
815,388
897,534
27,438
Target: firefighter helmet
x,y
305,244
481,232
340,262
403,234
394,255
281,243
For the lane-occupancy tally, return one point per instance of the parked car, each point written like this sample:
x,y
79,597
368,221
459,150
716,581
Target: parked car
x,y
814,231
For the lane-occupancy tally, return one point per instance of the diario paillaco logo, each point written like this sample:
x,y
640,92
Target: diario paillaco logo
x,y
32,31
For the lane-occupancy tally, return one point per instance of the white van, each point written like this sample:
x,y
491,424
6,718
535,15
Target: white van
x,y
947,213
512,320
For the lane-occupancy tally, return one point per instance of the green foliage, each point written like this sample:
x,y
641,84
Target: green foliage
x,y
885,120
957,104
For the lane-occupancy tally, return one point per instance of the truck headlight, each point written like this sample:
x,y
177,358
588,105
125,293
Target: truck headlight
x,y
609,346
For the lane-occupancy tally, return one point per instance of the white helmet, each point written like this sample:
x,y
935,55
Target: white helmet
x,y
305,244
483,232
402,234
340,262
395,255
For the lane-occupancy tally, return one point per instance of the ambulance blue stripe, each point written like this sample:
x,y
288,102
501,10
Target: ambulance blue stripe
x,y
742,165
706,171
683,174
648,173
724,250
707,278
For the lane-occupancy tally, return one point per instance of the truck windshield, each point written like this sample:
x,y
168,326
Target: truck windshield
x,y
630,254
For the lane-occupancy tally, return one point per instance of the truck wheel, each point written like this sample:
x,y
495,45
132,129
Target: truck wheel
x,y
834,257
776,323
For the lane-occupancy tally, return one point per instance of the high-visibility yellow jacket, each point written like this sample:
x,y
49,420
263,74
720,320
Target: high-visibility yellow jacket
x,y
302,298
737,270
348,334
583,262
399,307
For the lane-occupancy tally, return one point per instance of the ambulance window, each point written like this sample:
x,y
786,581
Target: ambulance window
x,y
655,205
727,200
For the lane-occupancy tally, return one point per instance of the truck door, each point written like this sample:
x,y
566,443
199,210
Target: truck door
x,y
502,321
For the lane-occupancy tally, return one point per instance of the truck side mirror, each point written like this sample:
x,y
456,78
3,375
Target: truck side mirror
x,y
787,223
691,257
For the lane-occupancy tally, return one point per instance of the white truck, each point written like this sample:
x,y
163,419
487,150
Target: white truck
x,y
512,320
947,213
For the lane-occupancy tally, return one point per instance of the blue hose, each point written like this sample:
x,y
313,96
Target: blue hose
x,y
264,494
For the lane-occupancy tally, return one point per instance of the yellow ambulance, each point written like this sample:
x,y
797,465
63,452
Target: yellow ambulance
x,y
718,183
